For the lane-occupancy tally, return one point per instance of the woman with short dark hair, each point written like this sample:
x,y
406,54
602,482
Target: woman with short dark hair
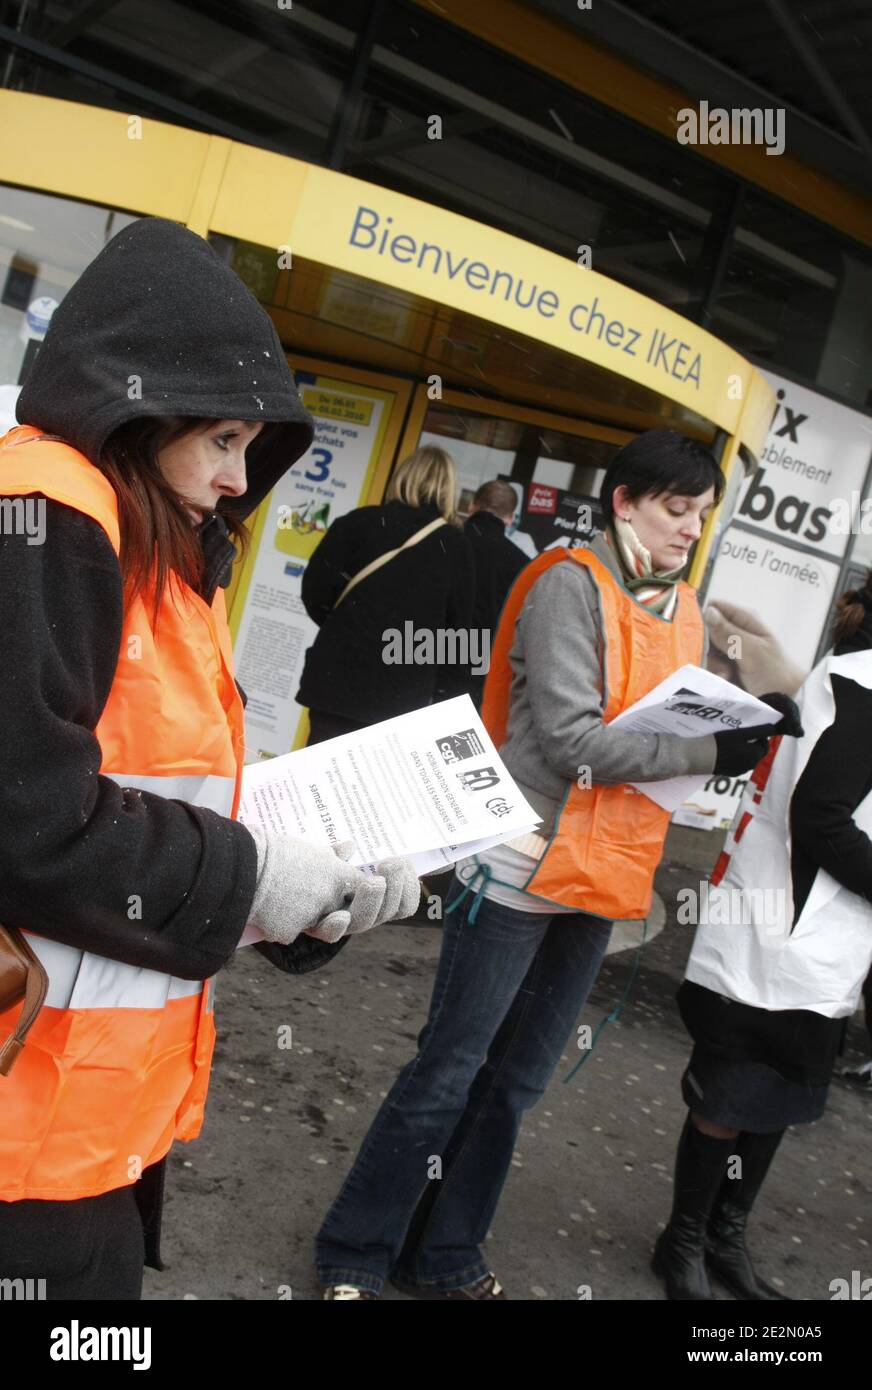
x,y
585,633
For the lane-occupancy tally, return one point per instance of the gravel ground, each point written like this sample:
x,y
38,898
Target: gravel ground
x,y
590,1184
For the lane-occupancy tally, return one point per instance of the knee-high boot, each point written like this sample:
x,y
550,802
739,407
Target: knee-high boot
x,y
726,1253
679,1255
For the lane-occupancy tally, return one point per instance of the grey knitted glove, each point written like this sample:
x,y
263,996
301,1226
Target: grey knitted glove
x,y
402,894
301,888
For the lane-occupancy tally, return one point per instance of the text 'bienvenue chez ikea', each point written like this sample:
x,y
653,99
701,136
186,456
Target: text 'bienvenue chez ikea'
x,y
372,232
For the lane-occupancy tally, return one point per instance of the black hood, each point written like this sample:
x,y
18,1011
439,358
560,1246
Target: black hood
x,y
158,316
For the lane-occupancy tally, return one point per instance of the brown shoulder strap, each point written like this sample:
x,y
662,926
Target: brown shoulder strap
x,y
389,555
25,976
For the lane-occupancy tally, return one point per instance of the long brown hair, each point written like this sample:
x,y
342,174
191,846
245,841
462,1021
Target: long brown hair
x,y
852,606
158,542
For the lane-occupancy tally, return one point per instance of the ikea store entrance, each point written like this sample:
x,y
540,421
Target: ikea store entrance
x,y
403,323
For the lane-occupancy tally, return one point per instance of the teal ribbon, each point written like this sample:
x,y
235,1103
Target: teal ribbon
x,y
616,1011
485,875
482,875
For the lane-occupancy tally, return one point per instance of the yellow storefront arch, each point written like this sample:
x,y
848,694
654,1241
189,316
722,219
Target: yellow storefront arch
x,y
213,184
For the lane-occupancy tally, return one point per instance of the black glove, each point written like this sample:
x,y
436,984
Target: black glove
x,y
740,750
791,724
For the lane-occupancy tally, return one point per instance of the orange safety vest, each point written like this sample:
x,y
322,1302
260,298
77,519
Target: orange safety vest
x,y
117,1063
608,840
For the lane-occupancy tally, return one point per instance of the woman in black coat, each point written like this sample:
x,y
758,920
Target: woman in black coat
x,y
397,639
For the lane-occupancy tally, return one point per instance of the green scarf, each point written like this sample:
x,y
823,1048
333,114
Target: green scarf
x,y
656,589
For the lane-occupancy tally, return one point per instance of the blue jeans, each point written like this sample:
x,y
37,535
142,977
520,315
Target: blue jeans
x,y
424,1187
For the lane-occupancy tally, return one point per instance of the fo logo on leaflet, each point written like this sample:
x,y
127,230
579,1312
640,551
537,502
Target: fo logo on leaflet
x,y
498,806
455,747
478,779
695,705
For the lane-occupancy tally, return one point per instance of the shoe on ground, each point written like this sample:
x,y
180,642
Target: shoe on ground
x,y
679,1259
345,1293
488,1287
727,1256
861,1077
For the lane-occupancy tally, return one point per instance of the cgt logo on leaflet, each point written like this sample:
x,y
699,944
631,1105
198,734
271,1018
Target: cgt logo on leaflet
x,y
453,748
686,701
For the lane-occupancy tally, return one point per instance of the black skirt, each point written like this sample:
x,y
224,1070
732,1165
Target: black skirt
x,y
798,1045
748,1095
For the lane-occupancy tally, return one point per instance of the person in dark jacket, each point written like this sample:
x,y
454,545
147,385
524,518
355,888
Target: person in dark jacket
x,y
158,413
396,640
498,562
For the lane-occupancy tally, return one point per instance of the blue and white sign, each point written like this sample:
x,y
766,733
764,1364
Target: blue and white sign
x,y
38,316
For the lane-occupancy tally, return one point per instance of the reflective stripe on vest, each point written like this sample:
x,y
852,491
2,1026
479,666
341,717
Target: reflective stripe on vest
x,y
215,793
82,980
117,1063
608,840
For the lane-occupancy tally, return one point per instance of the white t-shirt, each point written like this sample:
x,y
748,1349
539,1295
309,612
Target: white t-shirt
x,y
512,864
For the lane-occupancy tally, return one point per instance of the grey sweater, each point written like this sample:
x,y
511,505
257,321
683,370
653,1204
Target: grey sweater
x,y
558,696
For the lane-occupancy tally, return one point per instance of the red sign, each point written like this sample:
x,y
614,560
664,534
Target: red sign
x,y
542,499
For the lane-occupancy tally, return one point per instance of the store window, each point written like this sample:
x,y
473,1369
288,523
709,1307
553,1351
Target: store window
x,y
45,244
797,296
275,76
523,152
486,446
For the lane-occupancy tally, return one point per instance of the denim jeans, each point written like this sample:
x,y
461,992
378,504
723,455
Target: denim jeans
x,y
424,1187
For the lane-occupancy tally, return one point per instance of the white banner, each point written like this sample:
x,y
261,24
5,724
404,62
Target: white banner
x,y
778,561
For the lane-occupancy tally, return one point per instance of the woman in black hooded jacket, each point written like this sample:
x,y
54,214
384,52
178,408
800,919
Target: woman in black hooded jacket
x,y
158,414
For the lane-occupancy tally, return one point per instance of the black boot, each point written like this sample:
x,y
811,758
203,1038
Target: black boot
x,y
679,1255
726,1252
